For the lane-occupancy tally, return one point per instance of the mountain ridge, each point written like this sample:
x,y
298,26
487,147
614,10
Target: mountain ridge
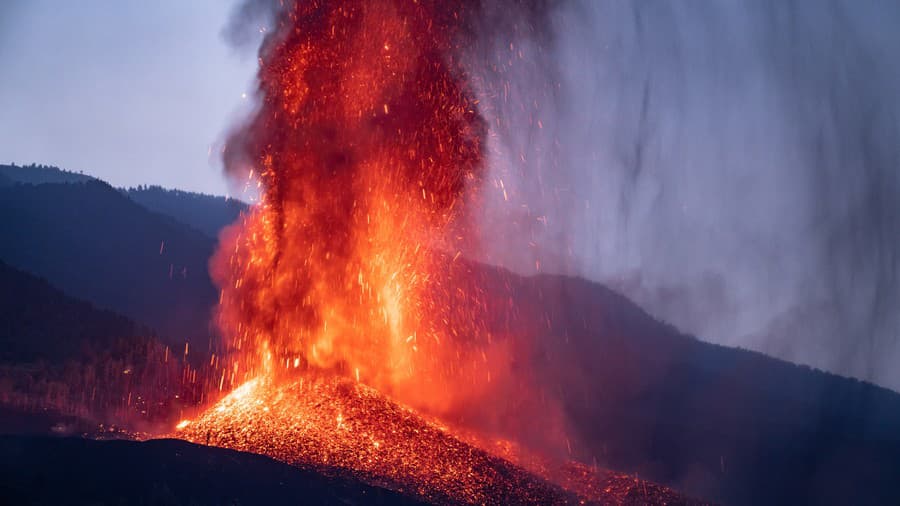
x,y
207,213
39,174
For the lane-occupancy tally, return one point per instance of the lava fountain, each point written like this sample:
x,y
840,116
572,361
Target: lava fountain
x,y
354,333
367,152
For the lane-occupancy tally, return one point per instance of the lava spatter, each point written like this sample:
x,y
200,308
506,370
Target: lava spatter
x,y
338,426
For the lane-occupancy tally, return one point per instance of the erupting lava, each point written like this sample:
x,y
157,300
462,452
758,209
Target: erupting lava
x,y
366,145
339,426
348,335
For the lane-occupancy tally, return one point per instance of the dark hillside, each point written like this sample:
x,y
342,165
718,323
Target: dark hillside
x,y
95,244
40,323
207,213
725,424
66,364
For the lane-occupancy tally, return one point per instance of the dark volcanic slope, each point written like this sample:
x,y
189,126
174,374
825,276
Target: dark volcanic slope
x,y
94,243
723,424
48,471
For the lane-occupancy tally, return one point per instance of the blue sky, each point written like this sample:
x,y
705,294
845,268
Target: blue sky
x,y
132,92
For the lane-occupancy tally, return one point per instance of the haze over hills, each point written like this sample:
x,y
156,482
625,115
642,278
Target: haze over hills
x,y
639,396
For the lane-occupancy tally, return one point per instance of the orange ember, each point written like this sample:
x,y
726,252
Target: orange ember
x,y
338,426
366,143
335,425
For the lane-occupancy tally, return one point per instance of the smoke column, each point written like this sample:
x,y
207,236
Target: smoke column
x,y
730,166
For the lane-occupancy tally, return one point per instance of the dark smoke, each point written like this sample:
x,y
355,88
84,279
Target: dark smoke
x,y
733,167
249,22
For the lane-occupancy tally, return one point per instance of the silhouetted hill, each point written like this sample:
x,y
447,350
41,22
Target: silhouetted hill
x,y
36,470
207,213
96,244
5,181
39,174
38,322
723,424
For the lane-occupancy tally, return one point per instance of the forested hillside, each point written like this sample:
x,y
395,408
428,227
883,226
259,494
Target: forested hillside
x,y
207,213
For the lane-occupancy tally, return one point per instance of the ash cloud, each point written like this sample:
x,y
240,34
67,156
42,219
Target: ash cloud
x,y
248,23
734,167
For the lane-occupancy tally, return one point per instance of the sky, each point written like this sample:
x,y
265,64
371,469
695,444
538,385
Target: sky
x,y
131,92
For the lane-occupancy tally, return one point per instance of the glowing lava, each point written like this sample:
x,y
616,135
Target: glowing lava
x,y
338,426
342,297
367,148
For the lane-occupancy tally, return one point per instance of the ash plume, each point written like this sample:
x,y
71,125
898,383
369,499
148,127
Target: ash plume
x,y
731,166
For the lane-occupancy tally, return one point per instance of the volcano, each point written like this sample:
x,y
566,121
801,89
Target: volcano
x,y
340,427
